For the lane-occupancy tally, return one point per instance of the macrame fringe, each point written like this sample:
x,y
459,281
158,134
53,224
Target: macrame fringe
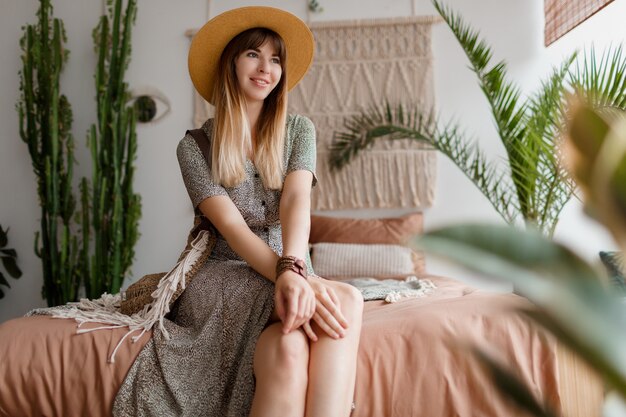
x,y
377,179
106,309
426,287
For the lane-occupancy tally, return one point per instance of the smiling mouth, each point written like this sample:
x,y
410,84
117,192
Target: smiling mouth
x,y
260,83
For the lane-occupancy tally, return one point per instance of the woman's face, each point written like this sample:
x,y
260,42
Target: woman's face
x,y
258,72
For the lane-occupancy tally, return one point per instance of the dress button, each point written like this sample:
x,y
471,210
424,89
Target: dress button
x,y
263,203
266,229
256,175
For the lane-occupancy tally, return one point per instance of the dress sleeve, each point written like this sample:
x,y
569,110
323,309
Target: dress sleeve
x,y
195,172
303,148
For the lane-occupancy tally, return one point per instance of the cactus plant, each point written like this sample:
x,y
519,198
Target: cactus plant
x,y
8,256
45,122
110,208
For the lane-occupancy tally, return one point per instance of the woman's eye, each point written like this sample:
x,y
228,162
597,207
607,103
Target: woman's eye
x,y
275,60
150,104
252,54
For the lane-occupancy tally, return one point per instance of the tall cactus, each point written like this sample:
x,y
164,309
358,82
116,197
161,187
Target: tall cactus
x,y
45,123
110,208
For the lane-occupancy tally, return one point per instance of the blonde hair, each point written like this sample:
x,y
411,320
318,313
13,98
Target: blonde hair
x,y
232,139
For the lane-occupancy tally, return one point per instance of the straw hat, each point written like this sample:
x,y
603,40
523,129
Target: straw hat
x,y
208,44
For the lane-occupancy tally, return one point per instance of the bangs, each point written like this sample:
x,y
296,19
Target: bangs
x,y
255,37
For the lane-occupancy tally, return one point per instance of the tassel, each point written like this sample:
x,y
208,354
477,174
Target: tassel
x,y
106,308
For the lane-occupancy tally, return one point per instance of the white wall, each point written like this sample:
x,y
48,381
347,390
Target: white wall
x,y
513,28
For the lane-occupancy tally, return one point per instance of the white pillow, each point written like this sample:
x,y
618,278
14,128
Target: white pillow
x,y
351,260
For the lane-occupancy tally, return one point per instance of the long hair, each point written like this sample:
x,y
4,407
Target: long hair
x,y
232,139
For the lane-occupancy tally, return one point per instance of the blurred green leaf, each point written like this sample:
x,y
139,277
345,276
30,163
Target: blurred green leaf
x,y
562,285
3,237
614,406
11,266
9,252
511,386
3,280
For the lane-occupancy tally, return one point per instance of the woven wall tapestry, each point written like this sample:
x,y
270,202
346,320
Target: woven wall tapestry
x,y
358,64
564,15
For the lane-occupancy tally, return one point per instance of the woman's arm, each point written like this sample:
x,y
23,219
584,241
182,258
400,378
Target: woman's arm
x,y
294,298
295,213
224,215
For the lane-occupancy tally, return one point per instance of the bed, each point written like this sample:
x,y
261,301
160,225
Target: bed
x,y
411,363
408,363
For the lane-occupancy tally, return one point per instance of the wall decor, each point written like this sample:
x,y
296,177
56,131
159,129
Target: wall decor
x,y
150,104
561,16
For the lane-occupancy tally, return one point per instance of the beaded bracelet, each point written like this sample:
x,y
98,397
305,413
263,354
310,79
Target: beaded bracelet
x,y
291,263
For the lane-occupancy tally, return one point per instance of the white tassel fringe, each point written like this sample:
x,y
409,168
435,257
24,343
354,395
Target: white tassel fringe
x,y
106,309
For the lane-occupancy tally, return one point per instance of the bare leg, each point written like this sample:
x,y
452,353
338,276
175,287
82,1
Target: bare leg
x,y
332,362
280,367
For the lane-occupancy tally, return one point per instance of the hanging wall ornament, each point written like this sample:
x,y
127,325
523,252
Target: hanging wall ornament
x,y
150,104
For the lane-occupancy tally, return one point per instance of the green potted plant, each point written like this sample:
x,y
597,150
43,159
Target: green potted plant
x,y
529,187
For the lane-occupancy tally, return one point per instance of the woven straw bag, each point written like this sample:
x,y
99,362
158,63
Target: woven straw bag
x,y
139,294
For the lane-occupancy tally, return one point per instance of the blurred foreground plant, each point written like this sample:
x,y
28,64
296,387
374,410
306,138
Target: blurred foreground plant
x,y
572,301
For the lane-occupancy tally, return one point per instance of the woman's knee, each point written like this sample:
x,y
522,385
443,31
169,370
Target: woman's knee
x,y
350,298
279,353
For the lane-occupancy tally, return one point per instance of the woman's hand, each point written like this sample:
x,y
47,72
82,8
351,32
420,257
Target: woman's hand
x,y
328,315
294,299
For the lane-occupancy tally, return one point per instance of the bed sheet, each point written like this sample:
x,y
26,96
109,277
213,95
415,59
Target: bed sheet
x,y
412,361
409,361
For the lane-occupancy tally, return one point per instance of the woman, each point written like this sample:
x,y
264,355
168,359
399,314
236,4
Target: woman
x,y
252,311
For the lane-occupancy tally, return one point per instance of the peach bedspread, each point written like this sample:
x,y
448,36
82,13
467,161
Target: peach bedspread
x,y
408,363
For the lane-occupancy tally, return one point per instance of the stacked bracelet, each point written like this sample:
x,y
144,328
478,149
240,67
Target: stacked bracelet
x,y
291,263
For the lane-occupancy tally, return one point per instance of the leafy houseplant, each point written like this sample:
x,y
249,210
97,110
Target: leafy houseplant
x,y
532,189
571,300
9,257
45,125
110,208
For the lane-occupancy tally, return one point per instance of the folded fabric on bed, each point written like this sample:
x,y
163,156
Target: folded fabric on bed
x,y
392,290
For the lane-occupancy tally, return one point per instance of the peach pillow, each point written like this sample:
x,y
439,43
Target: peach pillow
x,y
390,231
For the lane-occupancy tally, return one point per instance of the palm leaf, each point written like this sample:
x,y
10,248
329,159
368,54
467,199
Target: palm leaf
x,y
503,96
407,122
376,122
601,83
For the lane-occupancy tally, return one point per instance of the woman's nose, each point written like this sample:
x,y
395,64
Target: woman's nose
x,y
262,66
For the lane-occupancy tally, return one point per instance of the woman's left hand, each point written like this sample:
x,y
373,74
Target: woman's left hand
x,y
328,315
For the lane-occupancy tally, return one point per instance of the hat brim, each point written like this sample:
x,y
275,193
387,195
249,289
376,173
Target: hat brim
x,y
209,43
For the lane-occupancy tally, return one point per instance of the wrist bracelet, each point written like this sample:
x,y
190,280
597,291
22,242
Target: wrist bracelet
x,y
291,263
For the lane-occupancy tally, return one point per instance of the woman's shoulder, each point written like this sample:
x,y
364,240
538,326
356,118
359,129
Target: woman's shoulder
x,y
189,143
299,124
298,119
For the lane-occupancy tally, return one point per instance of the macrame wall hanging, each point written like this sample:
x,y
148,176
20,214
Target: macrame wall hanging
x,y
358,64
